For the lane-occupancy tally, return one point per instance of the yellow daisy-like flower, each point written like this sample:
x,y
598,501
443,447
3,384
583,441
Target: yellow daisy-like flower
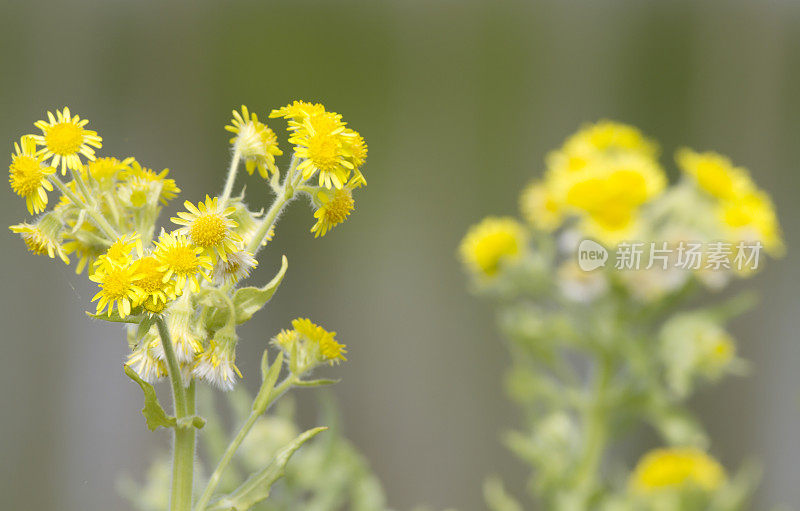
x,y
181,259
42,238
320,144
143,179
120,253
255,141
65,140
329,350
491,243
28,174
157,288
209,227
540,207
675,468
335,207
356,147
118,287
105,170
298,110
714,173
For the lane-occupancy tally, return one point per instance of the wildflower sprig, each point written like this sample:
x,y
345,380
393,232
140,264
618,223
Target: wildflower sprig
x,y
179,291
598,348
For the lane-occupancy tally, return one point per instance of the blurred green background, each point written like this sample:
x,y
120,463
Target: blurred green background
x,y
459,102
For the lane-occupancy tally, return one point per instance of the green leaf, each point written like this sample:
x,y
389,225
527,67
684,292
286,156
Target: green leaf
x,y
249,300
147,322
262,400
258,485
153,413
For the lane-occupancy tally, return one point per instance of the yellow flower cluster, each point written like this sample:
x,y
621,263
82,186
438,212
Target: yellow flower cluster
x,y
676,468
603,175
108,211
745,211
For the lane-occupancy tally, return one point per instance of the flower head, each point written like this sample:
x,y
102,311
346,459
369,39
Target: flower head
x,y
144,360
491,243
540,207
209,227
105,170
181,260
42,237
65,140
216,364
142,183
675,468
255,141
118,287
157,289
236,268
714,173
28,175
298,110
310,345
334,208
83,243
121,253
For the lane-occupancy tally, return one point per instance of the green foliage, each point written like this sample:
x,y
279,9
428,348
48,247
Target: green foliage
x,y
249,300
153,413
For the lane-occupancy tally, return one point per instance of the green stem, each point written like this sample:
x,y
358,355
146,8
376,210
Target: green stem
x,y
183,451
216,476
101,222
596,431
286,193
226,191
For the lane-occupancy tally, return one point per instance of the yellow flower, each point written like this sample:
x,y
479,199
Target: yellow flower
x,y
142,180
80,244
491,243
256,143
105,170
356,147
335,207
181,259
751,217
157,288
675,468
298,110
28,175
42,238
540,207
65,139
236,268
321,145
329,350
208,226
120,253
714,173
118,287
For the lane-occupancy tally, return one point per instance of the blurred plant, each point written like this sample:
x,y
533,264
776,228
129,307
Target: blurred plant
x,y
596,348
178,291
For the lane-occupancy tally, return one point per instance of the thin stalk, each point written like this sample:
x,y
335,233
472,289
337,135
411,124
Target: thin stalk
x,y
596,430
101,222
216,476
183,451
226,191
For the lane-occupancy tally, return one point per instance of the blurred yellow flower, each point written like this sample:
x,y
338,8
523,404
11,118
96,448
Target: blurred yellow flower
x,y
714,173
65,140
28,175
104,170
752,217
540,207
491,243
144,180
41,238
675,468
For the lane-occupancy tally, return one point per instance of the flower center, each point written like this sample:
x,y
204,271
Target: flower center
x,y
152,279
337,210
64,138
323,151
116,284
35,242
208,230
183,260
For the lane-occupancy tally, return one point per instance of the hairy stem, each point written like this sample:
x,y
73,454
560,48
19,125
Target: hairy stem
x,y
596,431
183,450
216,476
99,220
226,191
